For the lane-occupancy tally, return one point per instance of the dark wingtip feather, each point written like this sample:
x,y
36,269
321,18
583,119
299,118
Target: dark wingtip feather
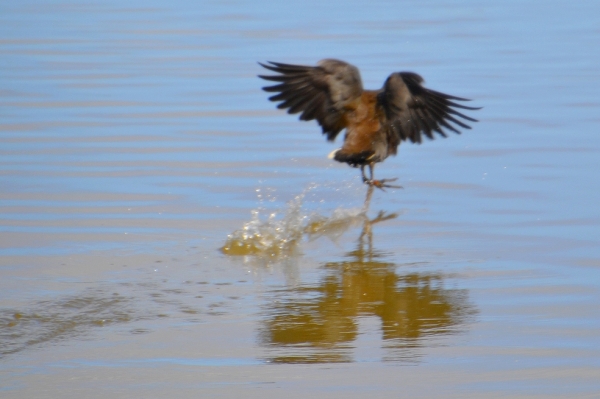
x,y
453,104
266,65
288,66
273,67
455,112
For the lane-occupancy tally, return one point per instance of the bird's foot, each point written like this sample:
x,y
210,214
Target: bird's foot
x,y
381,184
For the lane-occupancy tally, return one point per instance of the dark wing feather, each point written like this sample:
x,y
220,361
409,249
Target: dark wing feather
x,y
320,92
411,110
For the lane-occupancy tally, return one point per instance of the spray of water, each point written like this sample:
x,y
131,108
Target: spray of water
x,y
276,237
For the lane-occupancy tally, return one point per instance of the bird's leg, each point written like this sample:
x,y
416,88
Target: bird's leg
x,y
364,176
381,184
368,199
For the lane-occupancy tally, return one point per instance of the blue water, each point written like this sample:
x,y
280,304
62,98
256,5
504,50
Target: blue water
x,y
135,139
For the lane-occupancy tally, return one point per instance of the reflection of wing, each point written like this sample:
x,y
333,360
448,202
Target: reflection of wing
x,y
412,109
319,92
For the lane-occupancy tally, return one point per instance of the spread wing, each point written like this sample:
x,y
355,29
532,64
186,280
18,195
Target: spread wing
x,y
319,92
412,110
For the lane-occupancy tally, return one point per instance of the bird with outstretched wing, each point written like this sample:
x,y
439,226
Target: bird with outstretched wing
x,y
376,121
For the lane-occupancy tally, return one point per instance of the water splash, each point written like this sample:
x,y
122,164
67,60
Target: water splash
x,y
276,237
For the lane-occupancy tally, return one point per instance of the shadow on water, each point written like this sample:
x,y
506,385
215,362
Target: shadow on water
x,y
80,315
320,323
61,318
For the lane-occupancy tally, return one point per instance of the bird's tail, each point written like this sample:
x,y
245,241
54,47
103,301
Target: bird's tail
x,y
362,158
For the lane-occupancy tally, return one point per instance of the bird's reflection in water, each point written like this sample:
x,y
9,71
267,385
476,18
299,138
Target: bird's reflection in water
x,y
320,323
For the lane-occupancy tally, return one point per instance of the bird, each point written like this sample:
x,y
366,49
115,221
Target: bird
x,y
375,121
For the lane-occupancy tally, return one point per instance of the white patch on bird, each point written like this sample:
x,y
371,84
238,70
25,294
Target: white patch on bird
x,y
332,153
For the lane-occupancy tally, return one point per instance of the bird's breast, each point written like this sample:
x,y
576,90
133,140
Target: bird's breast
x,y
363,130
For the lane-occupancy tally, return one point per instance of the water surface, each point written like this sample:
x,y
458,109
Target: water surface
x,y
165,231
